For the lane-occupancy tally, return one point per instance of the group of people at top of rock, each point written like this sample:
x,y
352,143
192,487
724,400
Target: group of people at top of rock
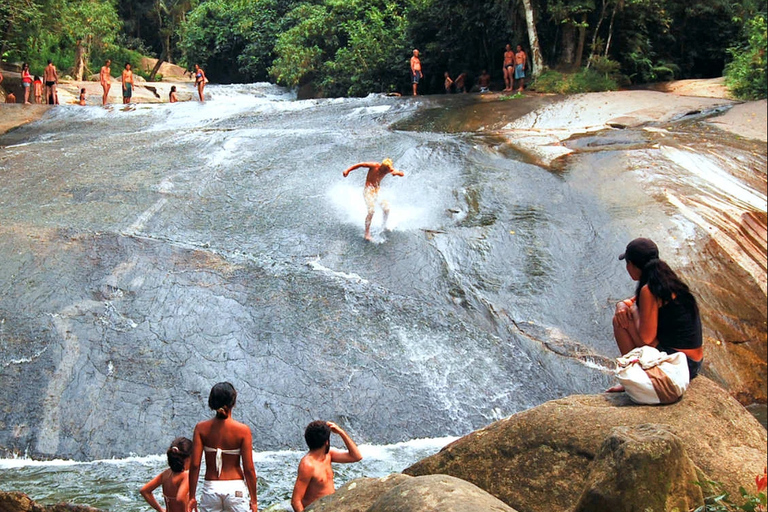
x,y
663,313
44,91
230,476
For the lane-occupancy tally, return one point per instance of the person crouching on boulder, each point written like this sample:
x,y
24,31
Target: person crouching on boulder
x,y
174,481
315,478
662,314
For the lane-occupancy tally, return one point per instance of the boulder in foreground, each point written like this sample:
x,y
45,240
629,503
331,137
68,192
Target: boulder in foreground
x,y
540,460
20,502
400,493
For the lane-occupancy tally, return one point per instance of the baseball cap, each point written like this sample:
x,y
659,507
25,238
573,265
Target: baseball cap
x,y
640,251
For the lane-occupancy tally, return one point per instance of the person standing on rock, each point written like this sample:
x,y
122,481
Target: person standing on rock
x,y
315,478
51,78
416,74
229,486
200,82
105,77
521,60
508,68
662,314
127,84
26,81
376,173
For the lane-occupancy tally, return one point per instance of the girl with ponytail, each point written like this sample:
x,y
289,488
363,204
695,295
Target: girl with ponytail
x,y
663,313
229,485
174,481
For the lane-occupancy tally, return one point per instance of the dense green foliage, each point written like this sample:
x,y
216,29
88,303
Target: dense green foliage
x,y
353,47
746,74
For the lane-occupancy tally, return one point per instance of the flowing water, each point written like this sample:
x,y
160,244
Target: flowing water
x,y
148,252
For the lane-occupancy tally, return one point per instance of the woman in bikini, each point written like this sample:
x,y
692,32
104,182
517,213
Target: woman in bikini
x,y
663,313
200,81
228,485
174,481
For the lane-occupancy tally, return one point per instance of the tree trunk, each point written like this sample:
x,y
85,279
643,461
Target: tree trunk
x,y
568,47
582,37
533,39
79,60
610,30
593,49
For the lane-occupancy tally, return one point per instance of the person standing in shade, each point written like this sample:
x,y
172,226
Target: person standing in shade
x,y
51,78
484,82
26,81
200,82
662,314
448,83
521,60
105,77
315,478
509,68
416,74
127,79
460,84
229,486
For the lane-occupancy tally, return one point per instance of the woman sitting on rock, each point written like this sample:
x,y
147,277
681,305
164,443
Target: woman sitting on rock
x,y
663,313
225,442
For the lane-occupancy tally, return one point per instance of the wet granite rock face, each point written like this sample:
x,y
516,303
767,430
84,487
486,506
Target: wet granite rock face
x,y
644,464
543,459
20,502
401,493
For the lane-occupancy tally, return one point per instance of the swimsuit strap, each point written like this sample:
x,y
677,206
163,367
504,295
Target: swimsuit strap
x,y
219,453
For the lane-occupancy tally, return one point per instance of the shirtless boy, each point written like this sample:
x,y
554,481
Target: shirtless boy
x,y
105,77
376,173
509,68
416,74
51,77
315,478
127,84
521,59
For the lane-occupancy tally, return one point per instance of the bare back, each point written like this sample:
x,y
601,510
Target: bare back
x,y
375,175
50,73
175,491
226,434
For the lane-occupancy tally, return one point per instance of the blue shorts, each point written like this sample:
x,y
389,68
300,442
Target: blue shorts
x,y
519,72
416,76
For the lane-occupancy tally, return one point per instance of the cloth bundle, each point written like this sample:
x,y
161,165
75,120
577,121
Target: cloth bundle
x,y
653,377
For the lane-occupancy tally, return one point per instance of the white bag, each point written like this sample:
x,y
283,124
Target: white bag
x,y
653,377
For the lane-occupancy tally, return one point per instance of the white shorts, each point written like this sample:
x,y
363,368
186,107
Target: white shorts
x,y
221,495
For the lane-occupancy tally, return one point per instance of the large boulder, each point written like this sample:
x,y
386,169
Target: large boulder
x,y
540,460
401,493
438,493
358,495
644,465
20,502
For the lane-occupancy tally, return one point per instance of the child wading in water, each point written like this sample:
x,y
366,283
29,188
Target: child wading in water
x,y
174,481
376,173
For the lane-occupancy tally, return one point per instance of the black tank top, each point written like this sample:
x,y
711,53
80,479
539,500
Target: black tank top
x,y
679,325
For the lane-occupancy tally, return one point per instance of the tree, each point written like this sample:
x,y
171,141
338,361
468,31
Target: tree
x,y
85,23
533,38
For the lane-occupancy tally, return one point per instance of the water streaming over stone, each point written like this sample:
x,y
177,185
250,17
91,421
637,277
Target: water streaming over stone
x,y
148,252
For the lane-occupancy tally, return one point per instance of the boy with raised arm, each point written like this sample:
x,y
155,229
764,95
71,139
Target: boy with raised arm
x,y
376,173
315,478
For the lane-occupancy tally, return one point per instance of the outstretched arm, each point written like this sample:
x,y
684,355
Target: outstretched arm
x,y
357,166
352,454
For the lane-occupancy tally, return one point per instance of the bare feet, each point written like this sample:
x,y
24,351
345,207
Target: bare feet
x,y
618,388
368,237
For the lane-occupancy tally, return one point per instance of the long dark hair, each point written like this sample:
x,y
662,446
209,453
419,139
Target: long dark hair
x,y
664,284
178,453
